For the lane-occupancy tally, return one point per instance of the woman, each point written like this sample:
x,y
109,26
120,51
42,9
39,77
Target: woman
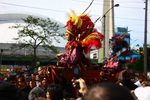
x,y
30,84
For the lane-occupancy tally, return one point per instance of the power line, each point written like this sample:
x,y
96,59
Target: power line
x,y
32,7
59,10
108,5
108,1
126,18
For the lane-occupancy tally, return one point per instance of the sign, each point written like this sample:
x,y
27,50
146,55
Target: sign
x,y
21,69
94,54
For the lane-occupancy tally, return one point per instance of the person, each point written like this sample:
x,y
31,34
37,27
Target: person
x,y
12,79
41,98
140,80
127,83
7,91
54,92
44,85
35,93
107,91
142,93
30,84
103,91
37,80
144,84
81,36
22,91
83,87
5,78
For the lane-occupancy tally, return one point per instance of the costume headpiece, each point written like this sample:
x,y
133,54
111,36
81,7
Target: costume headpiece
x,y
118,43
78,24
83,25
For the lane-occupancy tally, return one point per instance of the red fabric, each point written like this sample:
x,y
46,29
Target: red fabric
x,y
92,43
32,80
48,76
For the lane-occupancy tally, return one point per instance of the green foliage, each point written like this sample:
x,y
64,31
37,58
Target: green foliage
x,y
139,65
17,71
37,31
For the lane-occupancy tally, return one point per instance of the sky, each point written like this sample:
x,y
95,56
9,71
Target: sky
x,y
130,13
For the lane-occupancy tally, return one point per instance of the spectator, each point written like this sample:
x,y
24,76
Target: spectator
x,y
5,78
12,79
83,88
127,83
67,88
30,84
144,84
143,93
22,92
37,80
103,91
44,84
7,91
140,80
107,91
54,92
35,93
41,98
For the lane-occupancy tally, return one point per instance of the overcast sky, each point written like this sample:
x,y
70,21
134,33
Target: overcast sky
x,y
130,13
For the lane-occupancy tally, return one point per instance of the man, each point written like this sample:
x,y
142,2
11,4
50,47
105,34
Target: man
x,y
44,85
37,80
22,92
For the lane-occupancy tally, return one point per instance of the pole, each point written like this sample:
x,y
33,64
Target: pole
x,y
1,60
104,37
145,41
104,16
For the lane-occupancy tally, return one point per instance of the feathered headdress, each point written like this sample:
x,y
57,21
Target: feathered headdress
x,y
85,27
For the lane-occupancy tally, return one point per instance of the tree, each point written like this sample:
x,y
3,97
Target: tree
x,y
35,32
139,65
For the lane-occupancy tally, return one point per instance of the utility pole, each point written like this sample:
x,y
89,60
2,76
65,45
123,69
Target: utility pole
x,y
1,60
145,40
104,16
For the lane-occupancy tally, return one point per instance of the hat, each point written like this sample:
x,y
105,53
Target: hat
x,y
143,93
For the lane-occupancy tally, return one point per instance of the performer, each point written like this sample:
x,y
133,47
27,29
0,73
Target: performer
x,y
81,36
120,54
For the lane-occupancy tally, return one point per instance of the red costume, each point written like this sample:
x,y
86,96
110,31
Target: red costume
x,y
86,36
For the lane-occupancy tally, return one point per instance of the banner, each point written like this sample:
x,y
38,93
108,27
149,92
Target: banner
x,y
100,55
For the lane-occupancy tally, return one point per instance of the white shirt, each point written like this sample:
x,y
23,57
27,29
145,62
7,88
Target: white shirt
x,y
38,84
138,84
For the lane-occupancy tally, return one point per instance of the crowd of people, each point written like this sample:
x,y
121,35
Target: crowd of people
x,y
124,89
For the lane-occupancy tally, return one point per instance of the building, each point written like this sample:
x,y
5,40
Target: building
x,y
120,30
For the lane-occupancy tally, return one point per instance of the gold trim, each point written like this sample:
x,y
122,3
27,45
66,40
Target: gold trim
x,y
90,37
67,31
